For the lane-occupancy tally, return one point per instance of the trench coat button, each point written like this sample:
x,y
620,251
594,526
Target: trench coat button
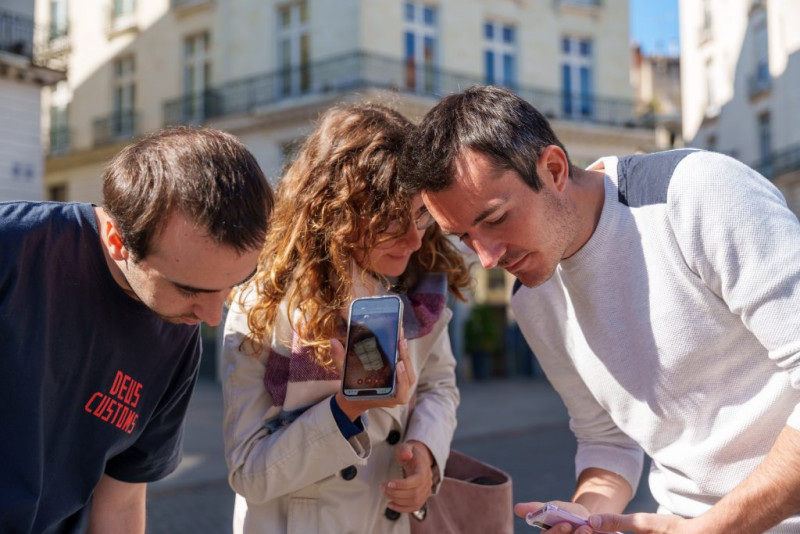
x,y
391,515
349,473
393,438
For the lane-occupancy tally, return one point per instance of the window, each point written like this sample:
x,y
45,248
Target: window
x,y
196,76
123,15
577,77
760,80
59,129
500,54
57,193
123,98
712,108
765,144
294,49
421,47
58,19
123,7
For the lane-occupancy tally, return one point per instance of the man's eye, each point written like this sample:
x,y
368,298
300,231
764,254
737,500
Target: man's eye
x,y
187,292
497,221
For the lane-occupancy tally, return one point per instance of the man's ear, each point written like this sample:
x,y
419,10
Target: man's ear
x,y
554,160
113,241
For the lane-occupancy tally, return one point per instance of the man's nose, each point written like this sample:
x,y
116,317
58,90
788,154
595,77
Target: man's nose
x,y
209,309
488,252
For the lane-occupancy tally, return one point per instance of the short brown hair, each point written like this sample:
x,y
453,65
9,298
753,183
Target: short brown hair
x,y
208,175
493,121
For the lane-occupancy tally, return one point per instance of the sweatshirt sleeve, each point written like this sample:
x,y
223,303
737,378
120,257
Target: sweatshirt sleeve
x,y
745,246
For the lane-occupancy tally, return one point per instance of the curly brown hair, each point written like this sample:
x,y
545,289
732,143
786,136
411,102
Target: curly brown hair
x,y
340,195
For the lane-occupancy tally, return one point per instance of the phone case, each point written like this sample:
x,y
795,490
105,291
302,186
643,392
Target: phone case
x,y
362,344
550,515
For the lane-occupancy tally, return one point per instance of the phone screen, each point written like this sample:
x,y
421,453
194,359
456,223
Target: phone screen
x,y
372,338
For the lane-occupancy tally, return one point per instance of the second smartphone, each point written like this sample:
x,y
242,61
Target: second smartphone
x,y
373,337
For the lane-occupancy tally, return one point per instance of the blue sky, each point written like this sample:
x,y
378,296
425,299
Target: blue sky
x,y
654,25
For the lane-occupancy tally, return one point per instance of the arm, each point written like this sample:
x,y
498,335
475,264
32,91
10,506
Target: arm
x,y
117,507
766,497
745,247
263,466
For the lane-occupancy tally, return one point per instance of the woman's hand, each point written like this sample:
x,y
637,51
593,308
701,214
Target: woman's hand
x,y
405,377
410,493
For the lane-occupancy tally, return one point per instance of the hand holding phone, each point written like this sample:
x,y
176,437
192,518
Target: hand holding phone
x,y
551,515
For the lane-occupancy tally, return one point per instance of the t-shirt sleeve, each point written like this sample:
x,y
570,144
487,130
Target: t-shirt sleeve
x,y
159,449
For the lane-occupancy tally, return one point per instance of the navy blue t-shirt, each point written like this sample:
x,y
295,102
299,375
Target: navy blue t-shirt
x,y
91,381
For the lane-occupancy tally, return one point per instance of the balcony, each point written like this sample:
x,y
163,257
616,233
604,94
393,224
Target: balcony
x,y
119,126
779,162
360,71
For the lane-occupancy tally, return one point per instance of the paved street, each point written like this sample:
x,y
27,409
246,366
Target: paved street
x,y
517,425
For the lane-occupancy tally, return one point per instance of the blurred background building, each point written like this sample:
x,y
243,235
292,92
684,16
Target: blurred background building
x,y
264,69
23,72
740,66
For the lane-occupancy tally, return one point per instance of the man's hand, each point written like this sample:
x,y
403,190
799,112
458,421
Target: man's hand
x,y
410,493
523,509
646,524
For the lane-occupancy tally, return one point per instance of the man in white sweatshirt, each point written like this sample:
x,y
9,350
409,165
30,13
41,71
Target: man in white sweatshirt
x,y
661,294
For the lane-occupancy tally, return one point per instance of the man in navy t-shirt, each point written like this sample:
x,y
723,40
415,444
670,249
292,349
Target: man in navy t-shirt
x,y
99,325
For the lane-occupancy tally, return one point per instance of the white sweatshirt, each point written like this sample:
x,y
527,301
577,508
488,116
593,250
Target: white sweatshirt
x,y
676,328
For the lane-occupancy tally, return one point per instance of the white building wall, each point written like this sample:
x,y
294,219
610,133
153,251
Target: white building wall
x,y
21,157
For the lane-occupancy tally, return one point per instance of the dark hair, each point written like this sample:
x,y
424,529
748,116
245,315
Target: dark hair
x,y
208,175
490,120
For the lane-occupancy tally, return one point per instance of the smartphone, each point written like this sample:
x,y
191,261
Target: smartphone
x,y
551,515
373,337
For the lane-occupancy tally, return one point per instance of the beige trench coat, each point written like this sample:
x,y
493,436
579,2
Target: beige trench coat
x,y
306,478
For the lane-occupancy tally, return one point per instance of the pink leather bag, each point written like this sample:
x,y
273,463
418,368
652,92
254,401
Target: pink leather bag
x,y
474,497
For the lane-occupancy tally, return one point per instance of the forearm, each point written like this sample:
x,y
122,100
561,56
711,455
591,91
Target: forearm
x,y
118,507
767,496
602,491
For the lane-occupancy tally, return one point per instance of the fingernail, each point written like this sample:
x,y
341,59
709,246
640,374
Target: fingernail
x,y
401,367
594,521
403,343
390,485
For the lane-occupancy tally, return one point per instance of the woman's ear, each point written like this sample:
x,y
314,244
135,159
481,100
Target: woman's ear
x,y
113,241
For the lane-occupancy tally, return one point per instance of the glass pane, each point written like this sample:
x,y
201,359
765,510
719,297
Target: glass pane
x,y
565,45
586,91
409,45
488,31
509,68
284,17
429,50
206,41
188,48
285,53
303,12
488,67
429,16
585,48
305,55
409,12
566,88
508,34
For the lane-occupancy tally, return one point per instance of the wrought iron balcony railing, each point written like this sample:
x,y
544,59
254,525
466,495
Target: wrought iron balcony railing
x,y
362,71
780,162
118,126
59,141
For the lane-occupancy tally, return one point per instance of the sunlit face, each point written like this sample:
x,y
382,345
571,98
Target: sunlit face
x,y
508,224
391,258
187,276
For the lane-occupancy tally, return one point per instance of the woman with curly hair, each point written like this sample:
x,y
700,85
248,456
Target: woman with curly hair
x,y
302,457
